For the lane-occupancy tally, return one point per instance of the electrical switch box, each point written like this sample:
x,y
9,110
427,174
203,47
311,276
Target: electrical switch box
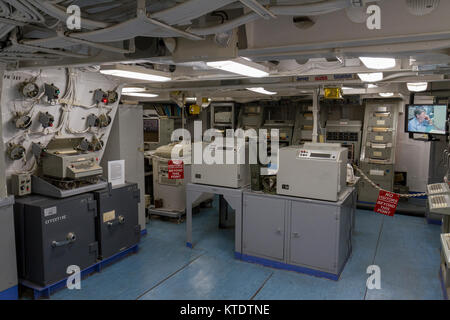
x,y
21,184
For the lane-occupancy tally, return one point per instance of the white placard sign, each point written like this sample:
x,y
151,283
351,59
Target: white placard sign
x,y
116,172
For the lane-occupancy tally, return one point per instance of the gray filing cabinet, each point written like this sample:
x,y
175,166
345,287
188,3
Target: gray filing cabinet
x,y
299,232
378,147
8,264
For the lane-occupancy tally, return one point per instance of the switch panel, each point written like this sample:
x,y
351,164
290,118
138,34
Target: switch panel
x,y
437,188
21,184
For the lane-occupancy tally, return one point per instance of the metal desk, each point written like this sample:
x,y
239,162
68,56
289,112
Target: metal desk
x,y
232,196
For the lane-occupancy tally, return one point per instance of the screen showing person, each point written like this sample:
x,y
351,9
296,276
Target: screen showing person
x,y
427,118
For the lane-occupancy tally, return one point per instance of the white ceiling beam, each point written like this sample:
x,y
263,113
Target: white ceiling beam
x,y
142,11
258,8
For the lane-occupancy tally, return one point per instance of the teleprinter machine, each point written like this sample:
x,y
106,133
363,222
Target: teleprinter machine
x,y
64,158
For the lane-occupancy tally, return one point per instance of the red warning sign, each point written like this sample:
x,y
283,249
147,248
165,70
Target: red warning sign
x,y
176,169
386,203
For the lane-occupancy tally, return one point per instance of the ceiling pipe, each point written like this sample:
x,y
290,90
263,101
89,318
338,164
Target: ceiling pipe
x,y
315,111
158,24
398,75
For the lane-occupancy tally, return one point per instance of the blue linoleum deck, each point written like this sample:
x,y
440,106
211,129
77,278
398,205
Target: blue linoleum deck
x,y
405,248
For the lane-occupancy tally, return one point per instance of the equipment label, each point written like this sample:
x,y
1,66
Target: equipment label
x,y
109,216
386,203
176,169
50,211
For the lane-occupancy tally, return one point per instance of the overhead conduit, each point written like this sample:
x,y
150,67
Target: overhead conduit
x,y
161,24
15,13
311,9
60,13
185,12
153,26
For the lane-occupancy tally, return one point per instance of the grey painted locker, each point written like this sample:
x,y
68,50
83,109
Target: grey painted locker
x,y
264,227
8,264
126,142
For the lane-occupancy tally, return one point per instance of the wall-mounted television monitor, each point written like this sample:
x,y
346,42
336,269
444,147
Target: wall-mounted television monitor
x,y
426,118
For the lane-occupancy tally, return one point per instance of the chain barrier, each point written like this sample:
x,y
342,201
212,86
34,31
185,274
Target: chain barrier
x,y
402,195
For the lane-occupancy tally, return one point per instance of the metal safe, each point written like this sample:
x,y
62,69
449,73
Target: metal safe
x,y
117,222
53,234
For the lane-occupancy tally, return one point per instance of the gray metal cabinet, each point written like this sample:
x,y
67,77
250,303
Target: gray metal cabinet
x,y
298,232
166,127
126,142
320,235
313,235
8,265
379,141
264,227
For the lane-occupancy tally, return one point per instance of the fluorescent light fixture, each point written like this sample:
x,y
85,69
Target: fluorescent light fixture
x,y
261,90
347,88
241,66
386,94
132,90
194,99
417,86
134,72
371,86
371,77
378,63
140,94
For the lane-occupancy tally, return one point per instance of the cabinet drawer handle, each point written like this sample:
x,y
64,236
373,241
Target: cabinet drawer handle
x,y
296,235
279,230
